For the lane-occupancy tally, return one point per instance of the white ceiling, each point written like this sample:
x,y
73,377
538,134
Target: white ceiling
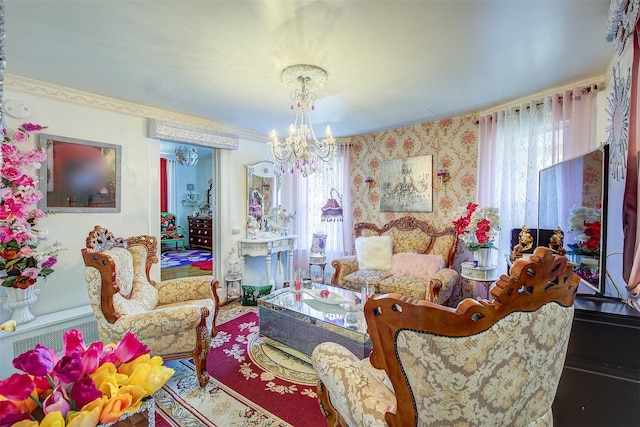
x,y
390,63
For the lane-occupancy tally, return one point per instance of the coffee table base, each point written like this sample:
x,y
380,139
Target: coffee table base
x,y
304,334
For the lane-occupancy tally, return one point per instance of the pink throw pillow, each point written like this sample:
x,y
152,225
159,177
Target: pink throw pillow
x,y
422,266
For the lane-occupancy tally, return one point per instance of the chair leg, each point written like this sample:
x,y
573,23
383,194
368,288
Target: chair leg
x,y
214,290
203,345
333,417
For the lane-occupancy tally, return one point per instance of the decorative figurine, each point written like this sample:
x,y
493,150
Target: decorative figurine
x,y
556,242
525,242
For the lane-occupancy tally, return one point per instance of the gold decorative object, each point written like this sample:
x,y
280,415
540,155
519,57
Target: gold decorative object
x,y
8,326
525,242
556,242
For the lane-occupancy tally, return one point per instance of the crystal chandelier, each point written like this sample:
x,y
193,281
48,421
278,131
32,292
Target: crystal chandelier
x,y
301,151
186,156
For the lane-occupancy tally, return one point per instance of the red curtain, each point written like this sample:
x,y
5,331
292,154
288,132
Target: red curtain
x,y
164,191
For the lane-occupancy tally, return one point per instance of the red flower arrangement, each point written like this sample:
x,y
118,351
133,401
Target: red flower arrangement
x,y
477,228
587,223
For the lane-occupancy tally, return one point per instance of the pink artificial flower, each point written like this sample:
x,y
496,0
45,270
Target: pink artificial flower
x,y
17,387
69,368
8,151
57,401
38,361
31,272
11,414
30,127
91,357
84,391
20,136
10,172
10,210
5,193
6,234
73,340
26,251
24,180
49,262
130,348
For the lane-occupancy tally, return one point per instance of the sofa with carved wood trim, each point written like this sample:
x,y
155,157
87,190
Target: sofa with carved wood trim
x,y
406,256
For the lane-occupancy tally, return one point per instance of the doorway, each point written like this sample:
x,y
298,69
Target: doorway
x,y
190,190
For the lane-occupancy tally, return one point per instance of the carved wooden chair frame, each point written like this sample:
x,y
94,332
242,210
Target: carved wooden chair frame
x,y
543,278
101,239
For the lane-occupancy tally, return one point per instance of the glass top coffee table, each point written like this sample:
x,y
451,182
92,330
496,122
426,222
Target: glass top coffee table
x,y
303,320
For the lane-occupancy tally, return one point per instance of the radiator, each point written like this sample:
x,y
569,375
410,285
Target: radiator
x,y
46,330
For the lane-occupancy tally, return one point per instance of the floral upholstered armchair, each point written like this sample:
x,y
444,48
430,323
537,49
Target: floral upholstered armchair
x,y
483,364
406,256
174,318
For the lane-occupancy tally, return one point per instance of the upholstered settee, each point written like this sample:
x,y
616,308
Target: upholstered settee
x,y
485,363
406,256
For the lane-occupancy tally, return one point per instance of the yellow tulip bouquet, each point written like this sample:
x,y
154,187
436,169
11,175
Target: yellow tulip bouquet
x,y
83,386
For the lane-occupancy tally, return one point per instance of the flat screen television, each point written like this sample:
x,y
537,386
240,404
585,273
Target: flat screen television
x,y
573,197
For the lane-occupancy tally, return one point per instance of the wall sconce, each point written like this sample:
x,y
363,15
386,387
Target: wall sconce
x,y
443,177
370,182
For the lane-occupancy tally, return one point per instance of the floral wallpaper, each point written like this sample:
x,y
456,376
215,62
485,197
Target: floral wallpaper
x,y
454,146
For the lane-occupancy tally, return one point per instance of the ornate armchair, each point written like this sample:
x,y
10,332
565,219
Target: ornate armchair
x,y
483,363
170,232
174,318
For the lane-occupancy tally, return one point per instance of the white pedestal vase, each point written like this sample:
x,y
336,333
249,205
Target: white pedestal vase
x,y
20,300
483,256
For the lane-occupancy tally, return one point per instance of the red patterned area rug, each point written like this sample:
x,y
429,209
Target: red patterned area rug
x,y
253,382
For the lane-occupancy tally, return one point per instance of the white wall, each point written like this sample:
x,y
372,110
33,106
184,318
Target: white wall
x,y
140,204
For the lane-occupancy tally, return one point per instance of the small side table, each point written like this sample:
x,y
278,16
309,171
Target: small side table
x,y
484,275
320,261
233,286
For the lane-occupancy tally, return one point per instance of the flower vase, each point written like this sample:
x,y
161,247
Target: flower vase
x,y
483,256
19,300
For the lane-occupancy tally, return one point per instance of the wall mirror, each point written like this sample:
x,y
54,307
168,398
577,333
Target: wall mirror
x,y
573,196
263,189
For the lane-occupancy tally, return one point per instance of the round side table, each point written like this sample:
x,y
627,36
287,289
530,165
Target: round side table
x,y
233,286
484,275
320,261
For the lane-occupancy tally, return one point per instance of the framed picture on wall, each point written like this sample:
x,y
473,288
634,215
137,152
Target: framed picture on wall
x,y
80,175
407,185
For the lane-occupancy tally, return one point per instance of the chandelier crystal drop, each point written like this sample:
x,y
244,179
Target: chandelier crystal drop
x,y
301,152
186,156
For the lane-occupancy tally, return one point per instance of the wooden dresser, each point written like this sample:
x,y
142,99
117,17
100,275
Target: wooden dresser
x,y
200,232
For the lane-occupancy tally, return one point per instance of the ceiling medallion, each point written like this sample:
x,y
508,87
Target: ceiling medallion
x,y
301,151
618,127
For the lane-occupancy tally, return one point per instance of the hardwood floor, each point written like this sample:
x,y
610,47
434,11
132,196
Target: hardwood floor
x,y
184,271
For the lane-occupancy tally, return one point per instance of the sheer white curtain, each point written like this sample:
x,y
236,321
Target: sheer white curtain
x,y
307,196
515,143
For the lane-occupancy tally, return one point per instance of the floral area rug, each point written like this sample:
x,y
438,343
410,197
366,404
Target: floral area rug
x,y
253,382
177,258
